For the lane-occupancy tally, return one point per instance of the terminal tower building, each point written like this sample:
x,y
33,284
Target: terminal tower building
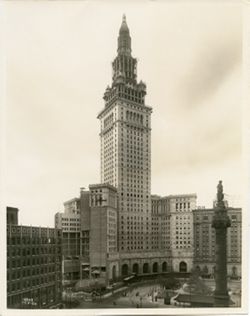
x,y
125,138
124,230
125,148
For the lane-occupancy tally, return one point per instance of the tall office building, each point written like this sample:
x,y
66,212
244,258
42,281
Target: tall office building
x,y
126,148
172,229
204,242
181,230
99,257
69,223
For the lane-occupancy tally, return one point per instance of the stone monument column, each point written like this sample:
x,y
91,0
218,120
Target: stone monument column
x,y
220,223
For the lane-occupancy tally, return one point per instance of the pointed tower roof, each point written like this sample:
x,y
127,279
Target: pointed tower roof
x,y
124,39
124,26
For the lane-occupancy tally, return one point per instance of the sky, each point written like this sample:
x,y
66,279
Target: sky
x,y
58,64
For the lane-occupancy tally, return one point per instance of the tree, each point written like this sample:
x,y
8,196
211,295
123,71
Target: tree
x,y
169,283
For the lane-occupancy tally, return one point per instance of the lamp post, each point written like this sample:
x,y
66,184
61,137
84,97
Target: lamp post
x,y
220,223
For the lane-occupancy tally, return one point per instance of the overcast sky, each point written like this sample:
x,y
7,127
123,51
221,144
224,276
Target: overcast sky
x,y
58,65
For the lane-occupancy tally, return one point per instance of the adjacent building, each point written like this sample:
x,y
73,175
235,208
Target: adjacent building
x,y
99,232
181,231
34,260
69,223
172,229
12,215
204,242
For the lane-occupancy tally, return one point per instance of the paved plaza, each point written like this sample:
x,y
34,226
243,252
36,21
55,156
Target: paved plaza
x,y
149,296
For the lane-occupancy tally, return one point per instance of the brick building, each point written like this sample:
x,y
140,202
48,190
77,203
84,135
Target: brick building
x,y
99,257
33,266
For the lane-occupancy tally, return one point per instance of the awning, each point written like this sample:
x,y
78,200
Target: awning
x,y
96,272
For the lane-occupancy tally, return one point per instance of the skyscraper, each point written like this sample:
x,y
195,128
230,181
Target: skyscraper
x,y
126,148
121,231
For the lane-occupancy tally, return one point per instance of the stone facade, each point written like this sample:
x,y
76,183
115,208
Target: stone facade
x,y
204,238
69,223
172,228
126,149
139,232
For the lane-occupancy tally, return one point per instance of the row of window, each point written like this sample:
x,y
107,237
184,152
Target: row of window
x,y
23,273
17,263
24,284
31,240
14,251
65,219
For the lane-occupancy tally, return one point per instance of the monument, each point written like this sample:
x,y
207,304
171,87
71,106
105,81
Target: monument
x,y
220,223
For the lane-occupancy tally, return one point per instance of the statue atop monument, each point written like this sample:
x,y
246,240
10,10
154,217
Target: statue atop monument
x,y
220,195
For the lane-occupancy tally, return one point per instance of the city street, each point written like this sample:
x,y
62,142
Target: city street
x,y
143,296
149,296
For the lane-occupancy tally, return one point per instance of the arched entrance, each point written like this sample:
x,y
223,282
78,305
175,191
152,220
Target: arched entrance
x,y
155,267
145,268
135,268
113,272
124,269
182,266
164,266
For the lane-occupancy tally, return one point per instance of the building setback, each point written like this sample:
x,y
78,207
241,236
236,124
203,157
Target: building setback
x,y
33,266
204,238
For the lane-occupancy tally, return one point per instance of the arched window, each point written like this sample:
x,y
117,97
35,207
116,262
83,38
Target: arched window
x,y
183,266
135,268
124,269
155,267
146,268
164,266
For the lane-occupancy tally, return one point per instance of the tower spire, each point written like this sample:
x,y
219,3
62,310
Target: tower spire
x,y
124,78
124,39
